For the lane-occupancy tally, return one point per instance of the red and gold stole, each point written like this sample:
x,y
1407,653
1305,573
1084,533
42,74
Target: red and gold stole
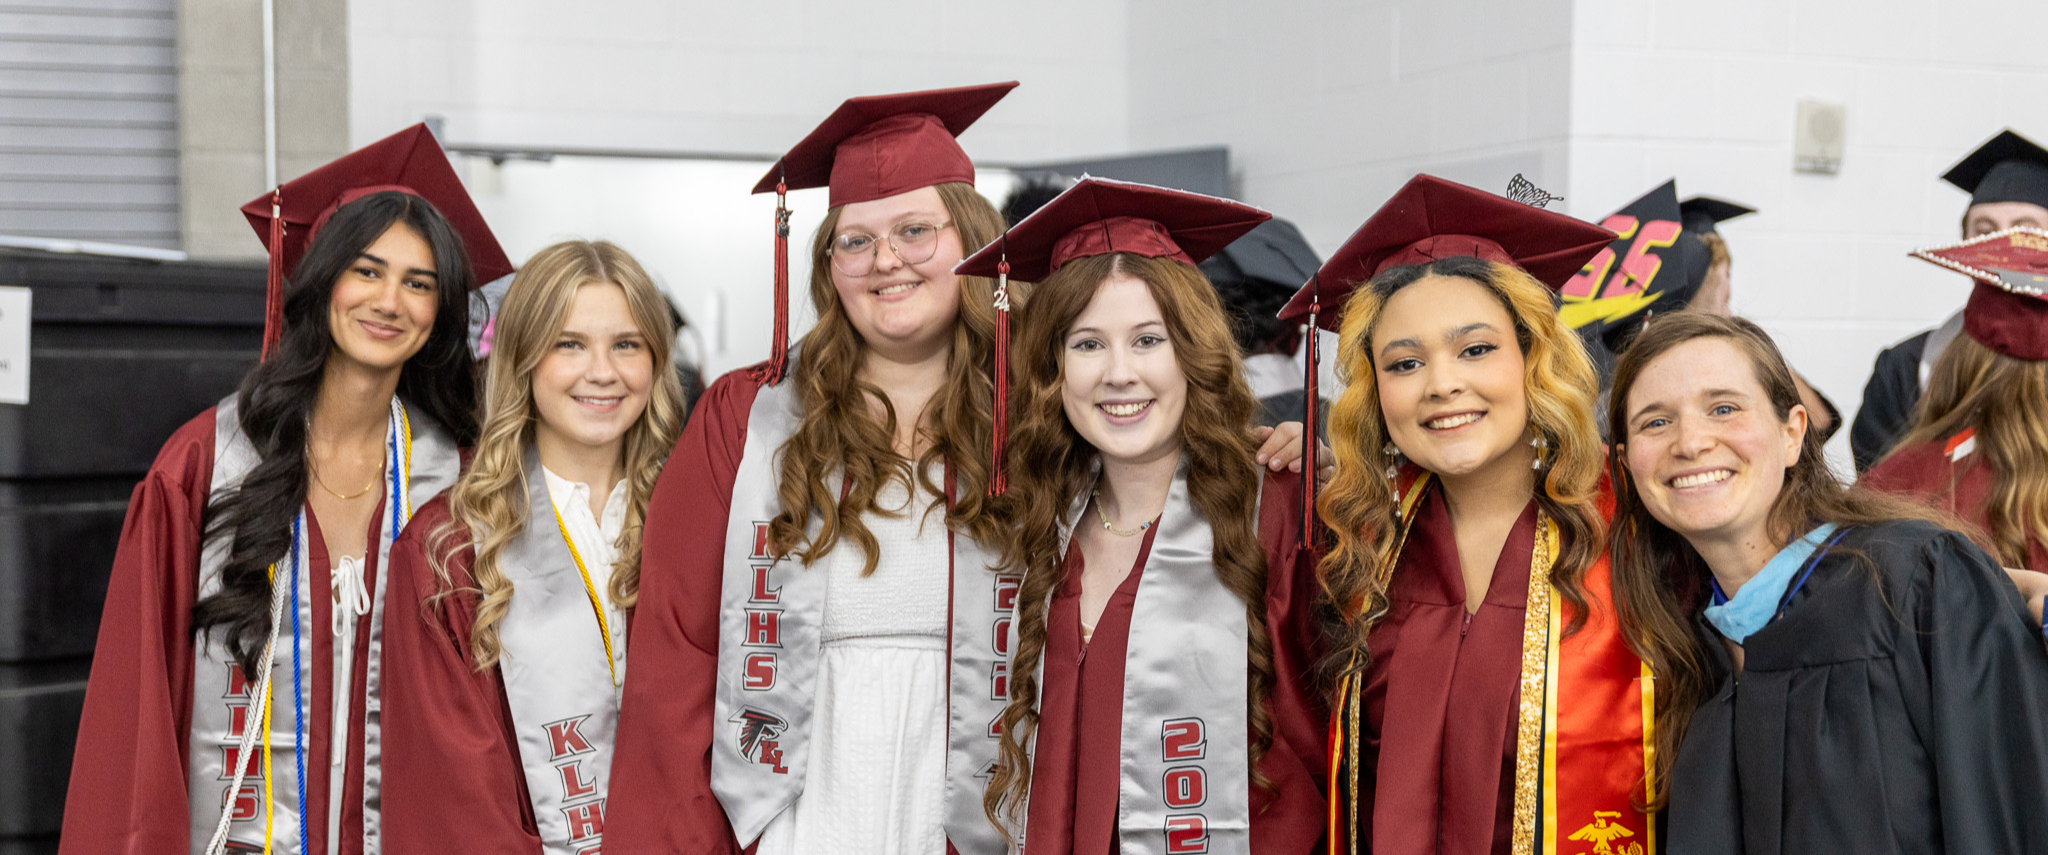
x,y
1584,749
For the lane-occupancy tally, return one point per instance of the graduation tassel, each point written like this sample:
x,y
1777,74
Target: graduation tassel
x,y
997,483
778,354
1308,419
273,291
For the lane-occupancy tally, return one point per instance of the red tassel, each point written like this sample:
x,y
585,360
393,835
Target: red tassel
x,y
1308,428
273,289
997,482
778,354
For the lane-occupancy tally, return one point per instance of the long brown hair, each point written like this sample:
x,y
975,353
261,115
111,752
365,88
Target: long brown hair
x,y
840,434
488,505
1973,386
1660,581
1358,506
1049,464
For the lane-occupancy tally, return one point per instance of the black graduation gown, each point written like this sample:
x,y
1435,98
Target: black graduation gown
x,y
1907,723
1889,400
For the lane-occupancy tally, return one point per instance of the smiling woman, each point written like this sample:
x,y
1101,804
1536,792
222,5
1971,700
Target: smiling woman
x,y
291,491
1155,554
1476,653
512,590
1836,670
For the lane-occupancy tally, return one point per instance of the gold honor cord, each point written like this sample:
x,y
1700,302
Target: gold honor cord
x,y
596,605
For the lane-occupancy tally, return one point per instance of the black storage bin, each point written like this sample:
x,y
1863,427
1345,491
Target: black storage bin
x,y
122,352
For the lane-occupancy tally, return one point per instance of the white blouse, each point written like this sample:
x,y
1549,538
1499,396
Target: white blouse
x,y
596,542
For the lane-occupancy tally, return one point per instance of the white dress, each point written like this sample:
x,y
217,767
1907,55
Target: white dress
x,y
877,776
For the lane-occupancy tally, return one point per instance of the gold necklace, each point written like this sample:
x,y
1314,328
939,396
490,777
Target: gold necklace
x,y
1111,528
330,490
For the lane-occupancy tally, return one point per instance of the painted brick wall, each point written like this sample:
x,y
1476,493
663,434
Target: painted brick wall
x,y
731,77
1708,92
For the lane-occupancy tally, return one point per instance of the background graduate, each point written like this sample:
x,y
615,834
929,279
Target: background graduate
x,y
1164,633
505,648
246,602
1485,699
2007,179
1835,673
1979,446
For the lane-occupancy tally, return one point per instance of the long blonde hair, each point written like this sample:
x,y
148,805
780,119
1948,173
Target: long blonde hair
x,y
488,504
1358,505
840,434
1049,464
1973,386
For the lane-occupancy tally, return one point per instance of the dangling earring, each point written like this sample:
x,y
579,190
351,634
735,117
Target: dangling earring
x,y
1542,447
1393,455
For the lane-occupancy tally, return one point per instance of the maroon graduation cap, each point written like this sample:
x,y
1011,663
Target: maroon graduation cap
x,y
410,161
1431,219
1097,217
872,147
2008,310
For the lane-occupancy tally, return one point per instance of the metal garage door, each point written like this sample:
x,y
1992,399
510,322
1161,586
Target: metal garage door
x,y
89,120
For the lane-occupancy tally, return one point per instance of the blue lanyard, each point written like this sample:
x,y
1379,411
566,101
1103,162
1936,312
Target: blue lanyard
x,y
1721,598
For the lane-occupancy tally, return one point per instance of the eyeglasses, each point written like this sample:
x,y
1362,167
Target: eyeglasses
x,y
854,253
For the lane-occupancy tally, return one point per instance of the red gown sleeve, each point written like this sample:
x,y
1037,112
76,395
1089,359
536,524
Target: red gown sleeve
x,y
661,799
452,778
1290,817
127,792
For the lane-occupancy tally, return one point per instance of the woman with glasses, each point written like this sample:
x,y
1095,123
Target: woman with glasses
x,y
817,629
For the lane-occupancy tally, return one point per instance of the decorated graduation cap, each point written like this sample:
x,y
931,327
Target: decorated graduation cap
x,y
2006,168
1644,269
872,147
1430,219
1098,217
410,161
2008,310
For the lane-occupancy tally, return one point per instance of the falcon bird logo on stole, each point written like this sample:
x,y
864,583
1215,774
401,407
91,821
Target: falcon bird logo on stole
x,y
758,743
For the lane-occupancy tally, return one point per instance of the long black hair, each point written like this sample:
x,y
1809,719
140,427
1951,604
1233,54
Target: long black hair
x,y
277,397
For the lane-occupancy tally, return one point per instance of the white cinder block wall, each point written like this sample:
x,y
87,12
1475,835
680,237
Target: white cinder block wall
x,y
748,78
1329,105
1707,93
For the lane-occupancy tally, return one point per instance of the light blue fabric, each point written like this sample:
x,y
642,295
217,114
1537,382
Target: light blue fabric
x,y
1757,602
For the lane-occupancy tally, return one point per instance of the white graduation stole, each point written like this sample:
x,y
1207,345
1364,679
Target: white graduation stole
x,y
559,672
1185,771
421,461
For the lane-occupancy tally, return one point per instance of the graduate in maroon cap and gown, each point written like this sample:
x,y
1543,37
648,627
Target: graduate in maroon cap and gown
x,y
1485,701
816,632
505,646
1159,696
1974,448
791,676
245,605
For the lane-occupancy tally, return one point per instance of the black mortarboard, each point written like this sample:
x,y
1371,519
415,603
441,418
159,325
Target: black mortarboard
x,y
2006,168
1702,214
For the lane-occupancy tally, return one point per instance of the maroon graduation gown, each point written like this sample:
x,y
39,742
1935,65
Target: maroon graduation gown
x,y
1440,699
1076,769
1962,487
661,798
127,791
452,775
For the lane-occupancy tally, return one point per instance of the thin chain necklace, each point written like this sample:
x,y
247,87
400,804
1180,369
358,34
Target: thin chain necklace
x,y
1111,527
330,490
